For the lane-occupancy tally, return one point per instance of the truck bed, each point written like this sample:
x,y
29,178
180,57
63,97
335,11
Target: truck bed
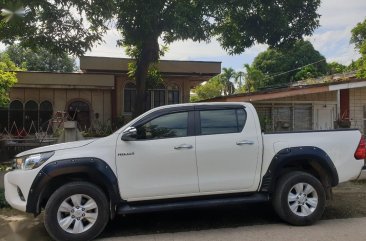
x,y
339,145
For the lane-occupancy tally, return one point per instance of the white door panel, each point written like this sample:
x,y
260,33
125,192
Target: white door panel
x,y
228,162
224,165
157,167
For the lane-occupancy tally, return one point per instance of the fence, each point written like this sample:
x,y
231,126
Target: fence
x,y
15,140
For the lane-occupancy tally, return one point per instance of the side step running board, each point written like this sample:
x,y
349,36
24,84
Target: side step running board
x,y
183,204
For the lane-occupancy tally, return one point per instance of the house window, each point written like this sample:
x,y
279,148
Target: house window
x,y
153,97
31,117
282,118
265,117
173,95
28,120
159,96
285,117
4,115
45,115
15,116
129,97
79,111
303,117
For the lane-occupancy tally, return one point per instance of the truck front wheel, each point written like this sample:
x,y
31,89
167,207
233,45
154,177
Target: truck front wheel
x,y
299,198
76,211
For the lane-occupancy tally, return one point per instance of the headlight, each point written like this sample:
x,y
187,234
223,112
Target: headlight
x,y
31,161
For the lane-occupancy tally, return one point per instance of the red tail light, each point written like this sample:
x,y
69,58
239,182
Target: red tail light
x,y
361,150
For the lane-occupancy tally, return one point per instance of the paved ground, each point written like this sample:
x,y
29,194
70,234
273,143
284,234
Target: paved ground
x,y
329,230
344,219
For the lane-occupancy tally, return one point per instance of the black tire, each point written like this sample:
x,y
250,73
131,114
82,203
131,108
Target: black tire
x,y
281,201
63,193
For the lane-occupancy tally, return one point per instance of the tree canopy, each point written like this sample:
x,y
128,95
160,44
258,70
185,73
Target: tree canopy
x,y
208,90
40,59
285,65
222,84
359,34
7,78
226,79
359,39
75,25
336,68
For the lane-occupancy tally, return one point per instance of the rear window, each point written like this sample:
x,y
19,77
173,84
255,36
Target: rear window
x,y
222,121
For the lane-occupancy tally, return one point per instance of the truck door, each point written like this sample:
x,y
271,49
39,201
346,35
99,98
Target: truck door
x,y
161,161
227,149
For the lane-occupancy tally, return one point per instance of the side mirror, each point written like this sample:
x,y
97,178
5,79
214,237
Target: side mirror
x,y
129,134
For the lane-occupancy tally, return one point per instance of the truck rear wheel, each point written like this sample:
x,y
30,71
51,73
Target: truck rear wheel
x,y
76,211
299,198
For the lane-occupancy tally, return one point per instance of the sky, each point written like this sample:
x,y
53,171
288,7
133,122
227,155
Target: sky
x,y
331,39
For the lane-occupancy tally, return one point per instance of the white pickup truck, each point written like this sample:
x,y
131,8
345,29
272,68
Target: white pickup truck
x,y
182,156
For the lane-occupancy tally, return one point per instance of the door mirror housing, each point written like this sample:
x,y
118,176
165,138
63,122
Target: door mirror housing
x,y
129,134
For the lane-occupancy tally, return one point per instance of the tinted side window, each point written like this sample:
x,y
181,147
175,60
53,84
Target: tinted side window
x,y
222,121
166,126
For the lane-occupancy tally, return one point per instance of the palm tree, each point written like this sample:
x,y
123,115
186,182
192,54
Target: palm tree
x,y
225,79
238,78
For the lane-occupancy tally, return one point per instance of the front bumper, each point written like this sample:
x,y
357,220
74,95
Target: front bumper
x,y
17,184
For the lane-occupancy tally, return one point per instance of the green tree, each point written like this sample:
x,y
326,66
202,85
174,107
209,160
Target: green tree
x,y
7,78
353,66
40,59
226,78
237,24
208,90
284,65
254,79
336,68
238,79
359,39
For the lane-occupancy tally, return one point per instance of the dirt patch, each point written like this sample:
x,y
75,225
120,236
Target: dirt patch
x,y
349,202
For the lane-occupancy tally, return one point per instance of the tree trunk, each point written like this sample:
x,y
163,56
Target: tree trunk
x,y
148,55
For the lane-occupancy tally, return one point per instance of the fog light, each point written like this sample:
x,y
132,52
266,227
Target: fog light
x,y
21,196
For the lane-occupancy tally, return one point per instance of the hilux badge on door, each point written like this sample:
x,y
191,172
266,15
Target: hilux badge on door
x,y
126,154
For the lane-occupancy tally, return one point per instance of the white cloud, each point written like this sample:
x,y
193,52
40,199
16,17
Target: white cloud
x,y
338,17
335,46
337,20
109,48
184,50
340,14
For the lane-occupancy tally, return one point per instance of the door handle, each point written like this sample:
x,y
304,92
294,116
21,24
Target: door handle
x,y
245,142
183,146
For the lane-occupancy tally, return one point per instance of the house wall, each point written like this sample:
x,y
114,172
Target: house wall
x,y
184,84
104,93
357,108
357,105
316,111
99,100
